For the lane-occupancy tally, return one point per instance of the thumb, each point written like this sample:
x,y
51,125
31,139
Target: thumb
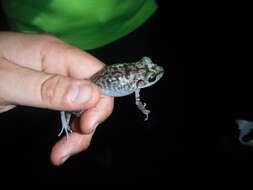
x,y
23,86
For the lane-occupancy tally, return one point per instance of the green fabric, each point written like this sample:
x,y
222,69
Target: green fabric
x,y
87,24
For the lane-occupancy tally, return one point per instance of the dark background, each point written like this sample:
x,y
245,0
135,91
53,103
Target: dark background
x,y
124,149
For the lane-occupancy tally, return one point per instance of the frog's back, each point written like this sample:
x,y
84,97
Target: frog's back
x,y
116,80
124,78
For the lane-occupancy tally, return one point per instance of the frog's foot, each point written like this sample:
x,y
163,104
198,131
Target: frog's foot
x,y
65,120
142,108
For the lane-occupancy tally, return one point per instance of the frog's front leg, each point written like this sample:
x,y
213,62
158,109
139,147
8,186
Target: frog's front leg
x,y
141,105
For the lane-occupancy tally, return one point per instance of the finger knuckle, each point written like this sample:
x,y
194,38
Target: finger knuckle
x,y
48,89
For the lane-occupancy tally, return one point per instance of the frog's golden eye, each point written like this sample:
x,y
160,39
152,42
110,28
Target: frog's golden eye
x,y
151,79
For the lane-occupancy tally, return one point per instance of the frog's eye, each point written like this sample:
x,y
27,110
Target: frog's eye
x,y
146,60
151,79
140,83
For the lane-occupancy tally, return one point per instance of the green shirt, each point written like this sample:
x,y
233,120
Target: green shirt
x,y
87,24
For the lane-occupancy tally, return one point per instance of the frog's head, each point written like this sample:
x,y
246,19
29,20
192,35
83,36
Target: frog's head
x,y
151,73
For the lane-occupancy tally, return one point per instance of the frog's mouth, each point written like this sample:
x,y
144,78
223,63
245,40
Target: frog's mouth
x,y
159,76
160,73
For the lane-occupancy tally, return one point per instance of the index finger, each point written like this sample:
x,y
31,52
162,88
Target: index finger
x,y
70,61
49,54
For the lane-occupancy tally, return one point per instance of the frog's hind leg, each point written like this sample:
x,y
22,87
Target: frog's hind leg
x,y
65,120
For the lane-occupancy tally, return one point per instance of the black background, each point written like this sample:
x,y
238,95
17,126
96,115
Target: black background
x,y
124,149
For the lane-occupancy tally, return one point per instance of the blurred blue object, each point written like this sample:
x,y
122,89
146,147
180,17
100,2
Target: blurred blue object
x,y
245,128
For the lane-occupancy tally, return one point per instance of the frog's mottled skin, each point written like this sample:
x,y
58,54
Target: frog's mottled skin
x,y
121,80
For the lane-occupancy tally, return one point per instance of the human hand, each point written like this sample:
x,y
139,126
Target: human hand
x,y
42,71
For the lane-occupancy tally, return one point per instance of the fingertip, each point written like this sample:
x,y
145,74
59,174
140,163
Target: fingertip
x,y
81,96
54,156
65,148
62,150
94,98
